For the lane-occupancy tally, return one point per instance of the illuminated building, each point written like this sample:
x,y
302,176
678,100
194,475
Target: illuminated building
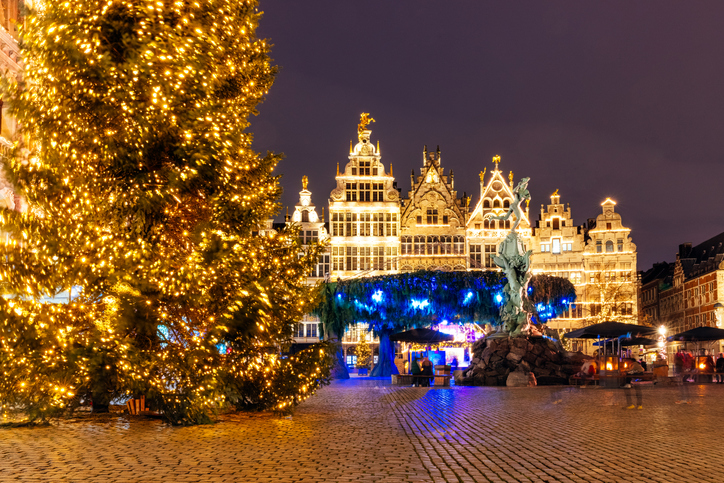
x,y
311,231
688,293
432,232
483,235
364,213
437,230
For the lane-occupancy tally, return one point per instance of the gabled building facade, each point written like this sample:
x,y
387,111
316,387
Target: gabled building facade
x,y
483,234
432,228
364,212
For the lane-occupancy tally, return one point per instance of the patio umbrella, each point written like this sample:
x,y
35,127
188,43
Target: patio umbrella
x,y
421,336
699,334
610,330
631,342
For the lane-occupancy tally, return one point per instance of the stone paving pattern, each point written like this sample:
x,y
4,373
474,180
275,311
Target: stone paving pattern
x,y
369,431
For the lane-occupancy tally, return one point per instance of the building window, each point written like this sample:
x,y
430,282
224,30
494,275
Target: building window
x,y
419,245
311,330
365,224
350,224
352,360
444,219
298,330
406,245
477,226
599,247
322,267
337,224
351,258
391,253
377,191
506,203
486,203
545,247
608,226
476,256
351,192
568,247
620,245
419,220
338,258
609,246
556,222
378,258
364,258
458,245
556,245
432,216
490,252
433,245
364,168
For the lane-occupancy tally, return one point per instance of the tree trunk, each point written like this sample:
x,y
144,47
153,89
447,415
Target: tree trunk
x,y
339,368
385,366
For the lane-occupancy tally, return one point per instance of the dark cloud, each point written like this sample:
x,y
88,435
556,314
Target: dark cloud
x,y
621,99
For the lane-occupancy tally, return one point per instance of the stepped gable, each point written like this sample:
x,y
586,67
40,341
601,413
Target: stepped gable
x,y
703,258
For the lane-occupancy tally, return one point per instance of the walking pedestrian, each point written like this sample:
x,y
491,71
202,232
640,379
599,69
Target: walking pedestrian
x,y
634,385
426,371
720,368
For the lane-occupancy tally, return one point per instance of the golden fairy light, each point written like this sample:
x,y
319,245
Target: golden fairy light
x,y
146,198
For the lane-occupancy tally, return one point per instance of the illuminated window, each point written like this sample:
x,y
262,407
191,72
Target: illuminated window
x,y
298,330
364,258
556,245
378,258
545,247
620,245
377,190
365,220
490,252
609,246
556,222
351,258
608,226
311,330
433,245
351,192
476,256
419,245
432,216
458,244
496,203
406,245
486,203
599,247
364,168
365,191
506,204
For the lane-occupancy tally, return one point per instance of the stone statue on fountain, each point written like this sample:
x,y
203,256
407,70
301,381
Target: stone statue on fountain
x,y
515,262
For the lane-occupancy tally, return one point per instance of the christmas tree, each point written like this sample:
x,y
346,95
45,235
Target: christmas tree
x,y
146,198
364,353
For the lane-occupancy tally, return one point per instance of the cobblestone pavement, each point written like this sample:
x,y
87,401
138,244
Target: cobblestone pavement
x,y
366,430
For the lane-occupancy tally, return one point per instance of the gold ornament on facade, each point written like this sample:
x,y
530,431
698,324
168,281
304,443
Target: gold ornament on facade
x,y
555,193
305,182
510,178
364,120
496,160
482,174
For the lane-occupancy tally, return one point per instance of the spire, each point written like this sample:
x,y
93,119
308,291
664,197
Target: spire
x,y
378,146
323,214
351,149
337,168
391,174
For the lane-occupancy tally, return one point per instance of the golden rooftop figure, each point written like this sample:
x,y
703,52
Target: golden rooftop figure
x,y
305,182
364,120
496,160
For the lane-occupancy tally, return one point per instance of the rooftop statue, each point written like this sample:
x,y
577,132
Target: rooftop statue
x,y
364,120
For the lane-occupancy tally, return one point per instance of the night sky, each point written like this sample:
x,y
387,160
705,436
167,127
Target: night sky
x,y
596,99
